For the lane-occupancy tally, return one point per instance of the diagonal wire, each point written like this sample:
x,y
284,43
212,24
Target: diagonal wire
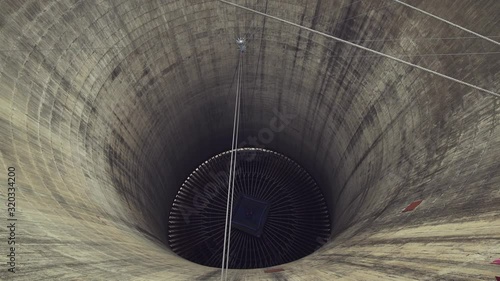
x,y
367,49
448,22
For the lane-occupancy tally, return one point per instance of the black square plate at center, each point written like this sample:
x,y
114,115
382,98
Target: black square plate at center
x,y
250,215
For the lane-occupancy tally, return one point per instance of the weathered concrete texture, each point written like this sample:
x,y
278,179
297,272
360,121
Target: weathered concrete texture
x,y
107,105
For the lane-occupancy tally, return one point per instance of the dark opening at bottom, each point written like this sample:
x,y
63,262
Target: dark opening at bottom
x,y
250,215
279,213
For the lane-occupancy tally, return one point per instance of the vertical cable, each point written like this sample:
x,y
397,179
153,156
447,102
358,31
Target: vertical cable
x,y
232,164
238,93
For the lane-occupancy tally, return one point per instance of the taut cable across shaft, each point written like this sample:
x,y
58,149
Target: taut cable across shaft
x,y
232,166
367,49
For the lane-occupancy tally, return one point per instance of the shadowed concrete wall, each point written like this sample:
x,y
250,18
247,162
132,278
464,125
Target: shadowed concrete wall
x,y
108,105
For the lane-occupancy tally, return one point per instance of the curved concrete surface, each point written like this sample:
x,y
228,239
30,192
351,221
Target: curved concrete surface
x,y
108,105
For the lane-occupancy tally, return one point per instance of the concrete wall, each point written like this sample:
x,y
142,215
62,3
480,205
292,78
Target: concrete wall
x,y
108,105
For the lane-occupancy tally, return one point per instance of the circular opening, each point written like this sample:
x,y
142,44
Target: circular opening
x,y
278,213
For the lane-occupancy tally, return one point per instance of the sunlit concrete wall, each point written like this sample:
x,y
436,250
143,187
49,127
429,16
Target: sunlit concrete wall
x,y
107,106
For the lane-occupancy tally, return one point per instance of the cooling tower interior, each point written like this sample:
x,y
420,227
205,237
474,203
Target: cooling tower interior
x,y
374,124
